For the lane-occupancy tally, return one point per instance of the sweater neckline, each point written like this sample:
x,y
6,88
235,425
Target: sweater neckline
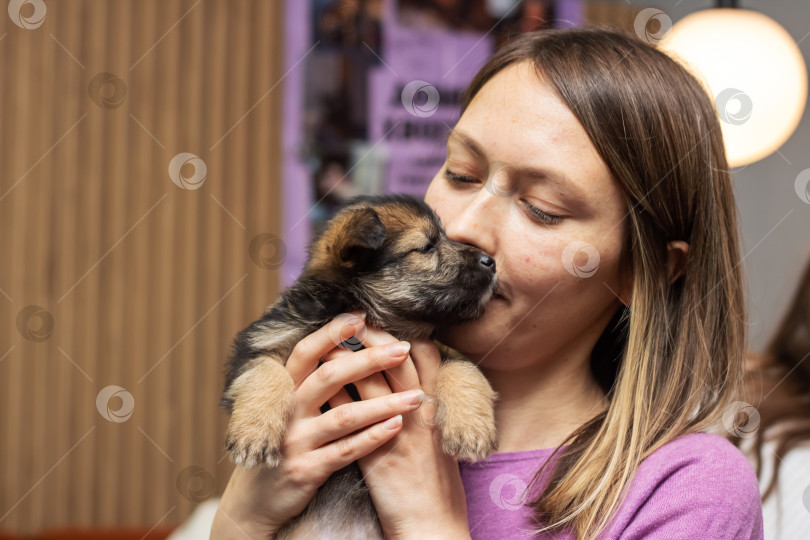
x,y
521,455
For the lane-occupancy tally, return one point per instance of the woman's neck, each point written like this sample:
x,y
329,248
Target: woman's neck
x,y
540,405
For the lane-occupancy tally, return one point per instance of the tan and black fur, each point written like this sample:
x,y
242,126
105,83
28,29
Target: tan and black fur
x,y
389,257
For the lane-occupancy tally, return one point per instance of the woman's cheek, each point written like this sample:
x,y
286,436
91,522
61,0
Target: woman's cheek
x,y
442,201
542,258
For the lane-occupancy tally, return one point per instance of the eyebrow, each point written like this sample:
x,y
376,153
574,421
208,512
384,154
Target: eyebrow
x,y
553,175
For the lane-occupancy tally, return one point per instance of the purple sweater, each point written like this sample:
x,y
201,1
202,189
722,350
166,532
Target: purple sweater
x,y
697,486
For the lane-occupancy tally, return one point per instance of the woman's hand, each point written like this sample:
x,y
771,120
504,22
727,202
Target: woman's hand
x,y
416,488
258,502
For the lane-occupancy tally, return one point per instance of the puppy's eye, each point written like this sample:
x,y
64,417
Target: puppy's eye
x,y
427,248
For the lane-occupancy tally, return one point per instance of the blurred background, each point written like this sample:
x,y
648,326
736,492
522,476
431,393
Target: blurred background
x,y
163,165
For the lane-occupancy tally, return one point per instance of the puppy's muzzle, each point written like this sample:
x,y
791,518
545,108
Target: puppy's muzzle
x,y
486,262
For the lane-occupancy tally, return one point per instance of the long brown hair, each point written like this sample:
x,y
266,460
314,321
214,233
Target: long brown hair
x,y
778,385
672,360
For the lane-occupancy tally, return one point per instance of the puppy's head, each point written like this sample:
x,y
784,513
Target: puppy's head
x,y
393,257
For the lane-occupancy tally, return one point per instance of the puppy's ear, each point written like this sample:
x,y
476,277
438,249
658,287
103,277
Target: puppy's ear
x,y
362,234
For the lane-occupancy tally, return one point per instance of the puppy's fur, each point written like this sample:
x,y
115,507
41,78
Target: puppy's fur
x,y
390,257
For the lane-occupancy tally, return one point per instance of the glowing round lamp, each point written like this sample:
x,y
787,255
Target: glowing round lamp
x,y
754,71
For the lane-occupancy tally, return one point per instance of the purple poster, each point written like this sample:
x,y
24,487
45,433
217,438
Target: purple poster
x,y
414,99
371,88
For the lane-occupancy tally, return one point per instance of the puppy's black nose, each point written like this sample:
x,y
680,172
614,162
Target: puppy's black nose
x,y
487,262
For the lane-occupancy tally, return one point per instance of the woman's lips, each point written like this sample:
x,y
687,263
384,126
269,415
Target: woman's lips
x,y
498,296
500,289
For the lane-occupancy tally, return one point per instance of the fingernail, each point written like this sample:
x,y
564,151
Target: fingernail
x,y
414,397
393,423
396,350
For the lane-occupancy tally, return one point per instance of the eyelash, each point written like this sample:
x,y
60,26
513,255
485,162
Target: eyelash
x,y
538,214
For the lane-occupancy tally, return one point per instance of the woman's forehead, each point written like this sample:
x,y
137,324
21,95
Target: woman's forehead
x,y
516,104
516,118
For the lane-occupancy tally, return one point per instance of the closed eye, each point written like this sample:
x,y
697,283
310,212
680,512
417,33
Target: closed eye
x,y
429,247
534,213
543,217
459,178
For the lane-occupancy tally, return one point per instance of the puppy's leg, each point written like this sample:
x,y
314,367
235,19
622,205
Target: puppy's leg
x,y
263,398
466,413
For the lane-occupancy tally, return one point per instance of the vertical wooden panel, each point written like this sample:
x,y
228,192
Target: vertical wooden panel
x,y
192,308
66,425
216,54
147,282
95,140
144,151
163,61
118,187
21,155
38,247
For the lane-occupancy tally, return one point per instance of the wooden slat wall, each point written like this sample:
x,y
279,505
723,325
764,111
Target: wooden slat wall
x,y
146,283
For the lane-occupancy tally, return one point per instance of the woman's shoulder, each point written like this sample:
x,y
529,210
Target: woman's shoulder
x,y
703,451
704,465
698,484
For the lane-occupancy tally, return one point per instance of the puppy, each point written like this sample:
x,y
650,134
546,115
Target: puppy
x,y
389,257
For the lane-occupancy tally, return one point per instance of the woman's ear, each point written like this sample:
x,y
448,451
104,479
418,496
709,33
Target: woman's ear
x,y
677,250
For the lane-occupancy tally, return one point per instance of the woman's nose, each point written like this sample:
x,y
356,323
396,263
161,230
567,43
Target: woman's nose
x,y
477,222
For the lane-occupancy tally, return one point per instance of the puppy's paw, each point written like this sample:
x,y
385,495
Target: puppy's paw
x,y
250,446
466,412
471,439
263,405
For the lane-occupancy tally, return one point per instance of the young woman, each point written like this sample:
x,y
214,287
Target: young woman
x,y
777,438
591,166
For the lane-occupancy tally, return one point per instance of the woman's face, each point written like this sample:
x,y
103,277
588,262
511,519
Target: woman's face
x,y
559,277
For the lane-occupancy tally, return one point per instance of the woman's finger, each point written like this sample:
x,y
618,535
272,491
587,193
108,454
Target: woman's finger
x,y
341,398
427,361
331,376
342,452
402,376
305,355
399,378
347,418
372,386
